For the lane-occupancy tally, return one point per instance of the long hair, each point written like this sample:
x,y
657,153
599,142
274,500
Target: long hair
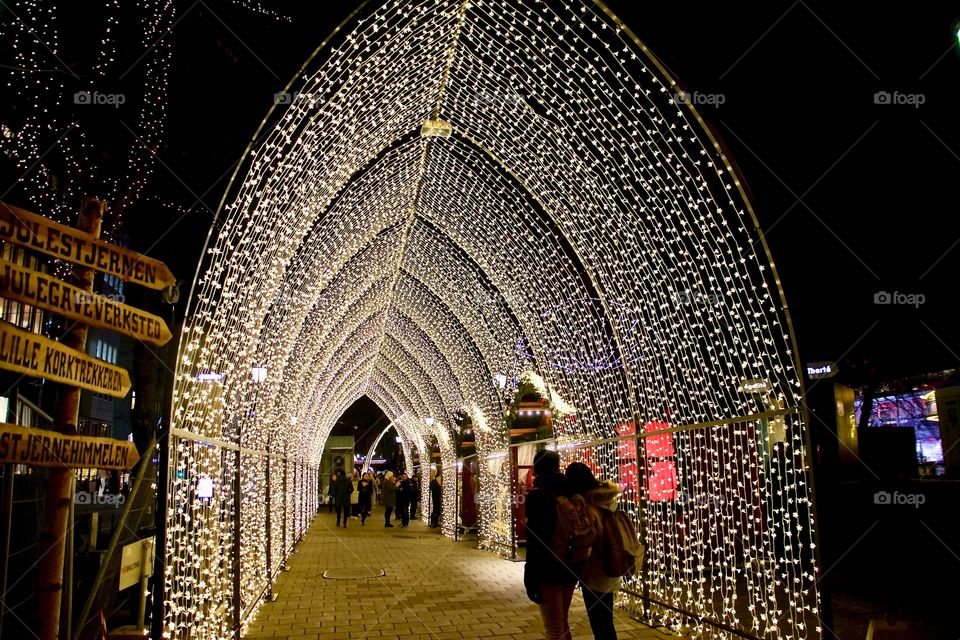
x,y
580,478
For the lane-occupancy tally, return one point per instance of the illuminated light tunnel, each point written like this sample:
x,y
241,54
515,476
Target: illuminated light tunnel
x,y
458,192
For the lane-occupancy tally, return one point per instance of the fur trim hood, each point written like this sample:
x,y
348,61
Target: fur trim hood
x,y
606,496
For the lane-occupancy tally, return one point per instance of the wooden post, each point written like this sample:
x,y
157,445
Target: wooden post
x,y
48,585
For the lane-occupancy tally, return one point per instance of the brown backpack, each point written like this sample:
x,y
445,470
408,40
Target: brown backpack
x,y
575,532
619,546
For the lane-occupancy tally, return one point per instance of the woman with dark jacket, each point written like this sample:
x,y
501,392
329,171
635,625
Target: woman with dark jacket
x,y
405,493
389,493
548,580
332,490
365,498
435,499
598,588
343,490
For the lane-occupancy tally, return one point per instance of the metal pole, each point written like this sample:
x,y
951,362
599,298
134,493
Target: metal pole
x,y
236,539
147,551
5,520
283,529
457,487
68,561
269,532
512,451
160,518
7,517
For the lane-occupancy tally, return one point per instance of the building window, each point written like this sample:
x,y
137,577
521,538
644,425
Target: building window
x,y
17,313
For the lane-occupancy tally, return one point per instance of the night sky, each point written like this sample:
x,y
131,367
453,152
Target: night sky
x,y
854,197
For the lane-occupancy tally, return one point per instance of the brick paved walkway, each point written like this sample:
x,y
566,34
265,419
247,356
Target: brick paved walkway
x,y
433,589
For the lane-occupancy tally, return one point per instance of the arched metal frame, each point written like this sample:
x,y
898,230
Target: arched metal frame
x,y
357,258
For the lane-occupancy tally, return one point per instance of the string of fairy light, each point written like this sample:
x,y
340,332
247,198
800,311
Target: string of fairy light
x,y
576,229
53,130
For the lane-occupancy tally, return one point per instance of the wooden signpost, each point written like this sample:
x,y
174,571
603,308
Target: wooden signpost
x,y
43,448
60,241
66,362
40,357
44,292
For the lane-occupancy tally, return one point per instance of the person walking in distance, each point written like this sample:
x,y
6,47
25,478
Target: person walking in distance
x,y
344,489
332,490
365,499
355,495
435,498
414,495
548,580
404,499
597,586
389,492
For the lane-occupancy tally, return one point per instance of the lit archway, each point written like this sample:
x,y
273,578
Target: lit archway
x,y
455,179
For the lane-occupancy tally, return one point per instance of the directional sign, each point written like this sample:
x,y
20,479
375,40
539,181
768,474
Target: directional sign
x,y
60,241
40,290
42,448
40,357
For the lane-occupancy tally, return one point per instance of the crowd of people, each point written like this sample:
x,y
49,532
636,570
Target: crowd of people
x,y
352,497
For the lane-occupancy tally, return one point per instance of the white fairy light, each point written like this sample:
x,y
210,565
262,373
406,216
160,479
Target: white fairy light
x,y
488,187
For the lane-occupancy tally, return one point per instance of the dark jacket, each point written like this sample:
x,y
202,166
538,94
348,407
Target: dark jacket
x,y
542,566
389,491
405,492
343,490
366,493
435,491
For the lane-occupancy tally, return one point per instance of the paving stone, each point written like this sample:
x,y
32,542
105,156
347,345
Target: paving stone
x,y
433,589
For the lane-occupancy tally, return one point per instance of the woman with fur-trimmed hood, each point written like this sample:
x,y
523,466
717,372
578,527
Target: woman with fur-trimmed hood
x,y
598,588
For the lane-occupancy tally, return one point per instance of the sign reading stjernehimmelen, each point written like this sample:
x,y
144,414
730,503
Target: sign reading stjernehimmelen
x,y
42,448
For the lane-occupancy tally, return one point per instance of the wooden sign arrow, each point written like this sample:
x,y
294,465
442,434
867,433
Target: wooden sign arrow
x,y
42,448
40,357
60,241
42,291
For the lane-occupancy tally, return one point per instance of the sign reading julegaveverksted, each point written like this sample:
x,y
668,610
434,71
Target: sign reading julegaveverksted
x,y
60,241
40,290
41,448
34,355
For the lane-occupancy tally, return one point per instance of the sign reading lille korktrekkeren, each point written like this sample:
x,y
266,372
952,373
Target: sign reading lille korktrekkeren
x,y
35,355
40,290
60,241
41,448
